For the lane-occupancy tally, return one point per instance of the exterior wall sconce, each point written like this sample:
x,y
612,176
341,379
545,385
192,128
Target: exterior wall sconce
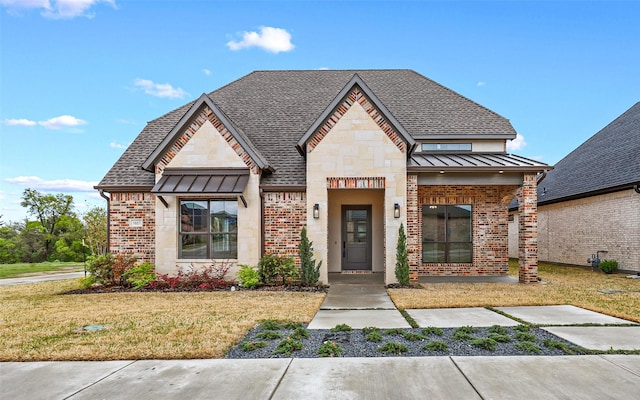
x,y
316,211
396,210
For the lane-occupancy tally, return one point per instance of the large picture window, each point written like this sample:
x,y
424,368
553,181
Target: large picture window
x,y
208,229
446,234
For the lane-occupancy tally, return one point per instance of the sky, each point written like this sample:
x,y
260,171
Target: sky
x,y
79,79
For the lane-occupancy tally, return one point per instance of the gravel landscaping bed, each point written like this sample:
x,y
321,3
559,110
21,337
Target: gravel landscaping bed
x,y
465,341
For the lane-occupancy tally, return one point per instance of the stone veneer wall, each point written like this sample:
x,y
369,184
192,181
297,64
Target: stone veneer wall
x,y
132,240
490,227
285,215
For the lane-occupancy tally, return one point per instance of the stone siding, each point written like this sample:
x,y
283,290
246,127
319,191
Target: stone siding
x,y
132,225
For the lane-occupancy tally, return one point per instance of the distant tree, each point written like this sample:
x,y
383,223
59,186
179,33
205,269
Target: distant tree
x,y
9,239
95,222
31,242
48,209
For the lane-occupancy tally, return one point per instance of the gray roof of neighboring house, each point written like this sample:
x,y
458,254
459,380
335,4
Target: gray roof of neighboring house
x,y
606,162
274,109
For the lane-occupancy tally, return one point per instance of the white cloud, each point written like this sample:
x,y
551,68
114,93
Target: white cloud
x,y
516,144
63,121
115,145
273,40
481,83
206,72
20,122
56,185
164,90
56,9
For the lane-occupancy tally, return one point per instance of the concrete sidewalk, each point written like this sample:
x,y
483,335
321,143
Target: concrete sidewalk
x,y
535,377
24,280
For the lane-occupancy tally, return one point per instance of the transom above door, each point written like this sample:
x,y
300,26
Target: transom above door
x,y
356,237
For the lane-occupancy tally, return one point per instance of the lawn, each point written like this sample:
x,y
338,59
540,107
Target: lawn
x,y
37,322
561,285
23,269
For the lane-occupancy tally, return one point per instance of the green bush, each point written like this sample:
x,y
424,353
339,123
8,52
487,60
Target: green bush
x,y
101,268
248,276
608,266
528,347
269,335
341,328
288,346
402,260
271,266
373,336
436,346
485,343
299,333
432,330
140,276
309,271
87,282
270,325
251,346
330,349
394,348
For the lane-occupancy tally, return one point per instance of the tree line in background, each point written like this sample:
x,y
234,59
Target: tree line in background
x,y
56,233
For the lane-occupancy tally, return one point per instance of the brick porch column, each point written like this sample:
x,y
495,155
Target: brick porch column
x,y
413,224
528,230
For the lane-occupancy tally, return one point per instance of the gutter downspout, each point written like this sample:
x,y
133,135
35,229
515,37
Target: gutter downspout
x,y
636,187
108,219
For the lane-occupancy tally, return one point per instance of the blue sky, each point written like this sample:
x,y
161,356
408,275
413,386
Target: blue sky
x,y
80,78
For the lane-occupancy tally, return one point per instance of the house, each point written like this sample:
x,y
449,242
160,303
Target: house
x,y
589,204
349,154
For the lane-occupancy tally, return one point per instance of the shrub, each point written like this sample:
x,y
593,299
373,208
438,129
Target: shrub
x,y
341,328
528,347
251,346
462,336
525,337
269,335
330,349
192,279
432,330
554,344
87,282
288,346
218,269
140,276
299,333
467,329
370,329
292,325
412,337
100,267
522,328
394,348
374,336
485,343
270,325
499,337
248,276
271,266
436,346
394,331
309,271
608,266
121,264
500,330
402,261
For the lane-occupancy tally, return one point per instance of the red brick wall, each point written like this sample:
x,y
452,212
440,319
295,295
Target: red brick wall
x,y
414,224
528,230
490,227
131,240
285,213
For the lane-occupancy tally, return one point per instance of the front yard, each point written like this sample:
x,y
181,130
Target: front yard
x,y
37,322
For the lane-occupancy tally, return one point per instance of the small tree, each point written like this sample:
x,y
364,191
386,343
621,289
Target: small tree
x,y
309,271
402,261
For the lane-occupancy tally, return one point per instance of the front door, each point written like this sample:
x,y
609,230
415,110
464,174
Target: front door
x,y
356,237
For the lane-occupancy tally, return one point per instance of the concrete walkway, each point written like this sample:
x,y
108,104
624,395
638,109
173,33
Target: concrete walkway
x,y
40,278
362,301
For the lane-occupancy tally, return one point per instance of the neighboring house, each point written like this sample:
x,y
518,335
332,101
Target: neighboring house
x,y
351,155
591,200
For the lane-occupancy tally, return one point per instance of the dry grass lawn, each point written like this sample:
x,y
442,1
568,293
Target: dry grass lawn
x,y
564,285
39,323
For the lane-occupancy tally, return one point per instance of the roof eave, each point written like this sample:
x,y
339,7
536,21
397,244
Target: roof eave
x,y
124,188
468,169
467,136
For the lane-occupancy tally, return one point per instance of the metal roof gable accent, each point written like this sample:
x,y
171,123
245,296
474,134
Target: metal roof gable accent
x,y
186,119
356,81
422,162
195,181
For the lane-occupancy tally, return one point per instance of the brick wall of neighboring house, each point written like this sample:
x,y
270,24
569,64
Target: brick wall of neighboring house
x,y
126,212
571,231
489,223
284,215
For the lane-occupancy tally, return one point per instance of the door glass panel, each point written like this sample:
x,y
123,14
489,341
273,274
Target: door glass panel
x,y
356,226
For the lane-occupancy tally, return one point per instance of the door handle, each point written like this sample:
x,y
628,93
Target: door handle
x,y
344,249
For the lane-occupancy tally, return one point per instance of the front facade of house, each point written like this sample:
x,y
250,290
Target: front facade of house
x,y
589,204
351,155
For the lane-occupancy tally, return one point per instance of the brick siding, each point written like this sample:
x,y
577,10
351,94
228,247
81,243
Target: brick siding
x,y
528,229
132,240
284,215
489,221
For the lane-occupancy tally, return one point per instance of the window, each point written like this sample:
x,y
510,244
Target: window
x,y
446,234
446,146
208,229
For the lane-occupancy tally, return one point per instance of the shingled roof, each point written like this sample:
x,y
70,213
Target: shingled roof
x,y
274,109
609,161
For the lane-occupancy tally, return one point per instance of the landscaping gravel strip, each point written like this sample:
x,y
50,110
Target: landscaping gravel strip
x,y
355,344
